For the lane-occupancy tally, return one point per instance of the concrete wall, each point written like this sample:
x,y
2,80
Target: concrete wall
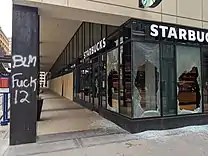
x,y
68,86
185,12
67,82
56,85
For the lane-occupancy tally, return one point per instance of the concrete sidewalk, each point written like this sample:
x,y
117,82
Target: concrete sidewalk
x,y
82,132
60,115
4,141
189,141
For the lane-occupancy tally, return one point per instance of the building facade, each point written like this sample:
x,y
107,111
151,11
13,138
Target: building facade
x,y
141,64
4,42
10,46
42,79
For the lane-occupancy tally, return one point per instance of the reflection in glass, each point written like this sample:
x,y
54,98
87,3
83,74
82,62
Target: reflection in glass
x,y
95,83
188,79
103,81
86,36
205,78
146,88
168,80
82,85
85,83
125,80
112,80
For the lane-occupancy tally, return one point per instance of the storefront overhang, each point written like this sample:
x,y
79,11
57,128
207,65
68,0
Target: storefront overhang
x,y
59,23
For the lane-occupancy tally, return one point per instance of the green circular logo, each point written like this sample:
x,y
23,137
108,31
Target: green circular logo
x,y
149,3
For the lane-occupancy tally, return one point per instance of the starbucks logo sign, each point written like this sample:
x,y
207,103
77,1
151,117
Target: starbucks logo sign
x,y
149,3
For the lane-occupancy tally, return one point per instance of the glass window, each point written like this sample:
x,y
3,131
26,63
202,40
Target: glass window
x,y
141,31
96,33
205,77
188,80
126,33
111,29
86,35
112,80
72,49
91,34
87,82
75,87
61,60
95,83
125,80
104,31
80,45
146,78
103,80
81,89
71,52
75,46
113,40
65,58
168,80
68,55
77,83
91,85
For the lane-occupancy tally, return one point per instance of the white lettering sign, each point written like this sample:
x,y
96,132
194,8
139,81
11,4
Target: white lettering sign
x,y
97,47
17,82
178,33
20,61
21,83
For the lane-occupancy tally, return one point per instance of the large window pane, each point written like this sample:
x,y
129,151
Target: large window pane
x,y
87,82
75,46
111,29
95,83
189,79
77,80
65,58
205,78
67,55
104,31
70,52
103,80
168,80
80,45
112,80
141,31
86,36
125,80
146,72
81,88
96,33
91,25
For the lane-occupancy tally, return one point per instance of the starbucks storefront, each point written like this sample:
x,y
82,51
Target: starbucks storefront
x,y
143,75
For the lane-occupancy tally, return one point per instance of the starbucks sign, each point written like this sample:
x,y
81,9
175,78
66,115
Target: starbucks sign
x,y
149,3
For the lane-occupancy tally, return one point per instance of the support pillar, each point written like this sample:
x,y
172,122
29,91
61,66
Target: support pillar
x,y
24,75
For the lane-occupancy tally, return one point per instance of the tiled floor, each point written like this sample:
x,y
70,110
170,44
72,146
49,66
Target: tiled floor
x,y
60,115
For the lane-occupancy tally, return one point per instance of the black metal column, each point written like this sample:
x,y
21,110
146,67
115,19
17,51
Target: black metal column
x,y
24,76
